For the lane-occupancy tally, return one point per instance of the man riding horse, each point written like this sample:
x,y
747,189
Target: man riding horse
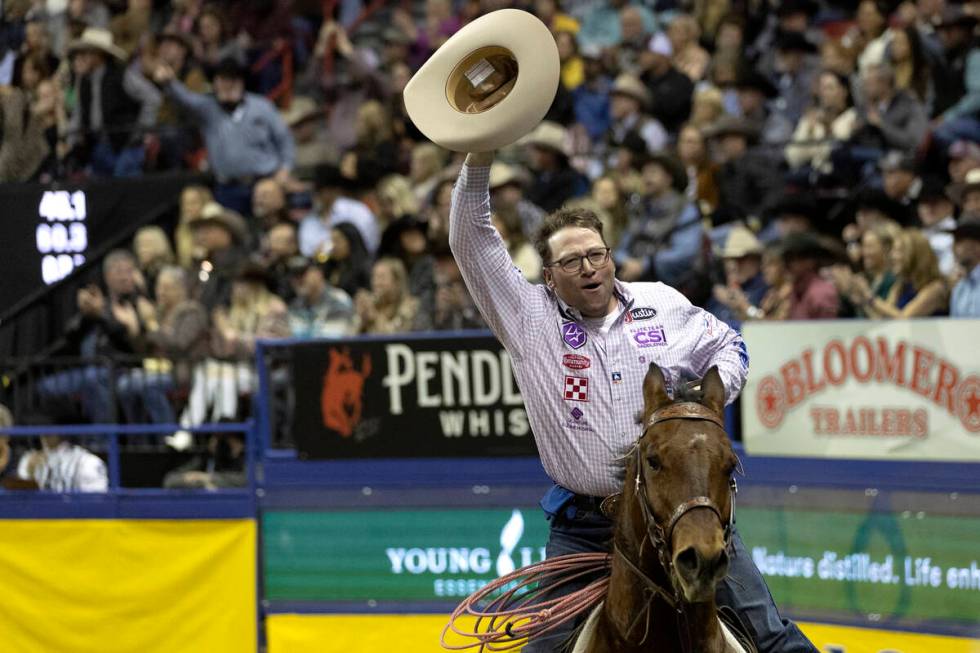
x,y
581,345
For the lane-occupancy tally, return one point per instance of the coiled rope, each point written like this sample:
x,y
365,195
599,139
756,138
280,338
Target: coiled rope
x,y
514,608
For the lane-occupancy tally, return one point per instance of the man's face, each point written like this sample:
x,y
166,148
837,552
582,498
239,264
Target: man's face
x,y
267,198
897,183
743,268
228,89
211,238
971,202
933,210
589,290
621,106
967,252
119,277
84,62
875,85
309,283
282,241
173,53
656,181
169,290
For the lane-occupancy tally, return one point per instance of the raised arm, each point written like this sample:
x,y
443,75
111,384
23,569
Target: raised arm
x,y
499,289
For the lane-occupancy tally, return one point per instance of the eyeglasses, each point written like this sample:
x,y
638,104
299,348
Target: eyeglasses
x,y
572,264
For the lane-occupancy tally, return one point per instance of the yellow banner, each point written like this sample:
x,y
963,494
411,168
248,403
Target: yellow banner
x,y
120,586
292,633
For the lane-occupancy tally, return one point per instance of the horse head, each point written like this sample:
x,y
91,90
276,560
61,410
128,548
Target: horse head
x,y
681,474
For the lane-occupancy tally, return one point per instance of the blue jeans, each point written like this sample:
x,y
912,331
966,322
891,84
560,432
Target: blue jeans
x,y
136,388
743,589
90,384
106,162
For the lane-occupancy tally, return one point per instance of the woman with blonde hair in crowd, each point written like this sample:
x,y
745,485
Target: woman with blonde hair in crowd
x,y
193,199
425,169
920,289
689,57
507,222
876,246
707,106
395,199
375,152
388,307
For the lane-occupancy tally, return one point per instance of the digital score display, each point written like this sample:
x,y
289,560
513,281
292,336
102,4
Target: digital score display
x,y
62,233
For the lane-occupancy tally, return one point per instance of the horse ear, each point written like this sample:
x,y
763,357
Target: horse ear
x,y
713,391
654,390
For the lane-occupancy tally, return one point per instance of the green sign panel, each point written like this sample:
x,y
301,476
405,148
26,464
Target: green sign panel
x,y
912,566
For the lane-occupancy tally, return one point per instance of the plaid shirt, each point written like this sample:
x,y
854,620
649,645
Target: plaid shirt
x,y
582,384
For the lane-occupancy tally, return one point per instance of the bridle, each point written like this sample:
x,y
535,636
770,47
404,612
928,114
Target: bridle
x,y
660,536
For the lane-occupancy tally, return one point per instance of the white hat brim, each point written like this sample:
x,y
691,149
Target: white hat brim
x,y
538,69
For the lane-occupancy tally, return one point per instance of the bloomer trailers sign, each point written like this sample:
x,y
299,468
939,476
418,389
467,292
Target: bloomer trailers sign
x,y
416,397
898,390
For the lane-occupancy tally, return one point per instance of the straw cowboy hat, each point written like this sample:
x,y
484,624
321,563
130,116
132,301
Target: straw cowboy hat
x,y
488,85
549,135
96,38
631,86
215,214
741,242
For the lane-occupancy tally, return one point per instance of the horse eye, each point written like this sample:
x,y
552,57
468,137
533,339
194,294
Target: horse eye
x,y
654,463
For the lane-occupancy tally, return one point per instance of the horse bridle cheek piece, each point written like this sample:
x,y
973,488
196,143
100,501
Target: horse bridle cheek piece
x,y
658,536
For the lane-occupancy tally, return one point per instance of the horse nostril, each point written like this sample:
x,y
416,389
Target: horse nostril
x,y
687,562
721,564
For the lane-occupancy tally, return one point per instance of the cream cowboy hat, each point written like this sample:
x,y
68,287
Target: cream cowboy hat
x,y
96,38
488,85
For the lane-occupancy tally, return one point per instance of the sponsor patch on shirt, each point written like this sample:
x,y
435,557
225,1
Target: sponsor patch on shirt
x,y
649,336
577,413
642,313
576,361
576,388
617,377
573,335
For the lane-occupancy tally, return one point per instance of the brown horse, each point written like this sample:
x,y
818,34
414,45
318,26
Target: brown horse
x,y
673,527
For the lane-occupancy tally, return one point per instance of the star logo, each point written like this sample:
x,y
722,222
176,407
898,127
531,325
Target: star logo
x,y
573,335
770,402
968,403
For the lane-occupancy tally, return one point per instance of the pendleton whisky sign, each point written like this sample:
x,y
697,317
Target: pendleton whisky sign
x,y
893,390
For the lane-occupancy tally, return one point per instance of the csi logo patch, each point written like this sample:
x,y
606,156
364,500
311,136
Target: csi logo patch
x,y
576,362
576,388
651,336
573,335
643,313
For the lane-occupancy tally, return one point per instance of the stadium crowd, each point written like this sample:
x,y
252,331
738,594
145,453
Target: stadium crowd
x,y
772,159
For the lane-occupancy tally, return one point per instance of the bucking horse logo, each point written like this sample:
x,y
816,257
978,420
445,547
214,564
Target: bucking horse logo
x,y
341,401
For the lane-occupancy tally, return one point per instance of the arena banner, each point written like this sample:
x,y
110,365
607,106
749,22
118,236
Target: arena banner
x,y
294,633
119,586
419,397
887,389
841,563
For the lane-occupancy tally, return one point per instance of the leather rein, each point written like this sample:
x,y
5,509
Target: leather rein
x,y
660,536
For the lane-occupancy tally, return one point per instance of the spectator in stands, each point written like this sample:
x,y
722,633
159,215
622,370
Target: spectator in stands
x,y
132,25
662,240
507,184
222,236
689,57
153,252
334,208
919,290
887,119
526,259
963,156
812,297
967,193
758,104
625,54
388,307
348,265
702,183
223,466
957,86
245,135
590,100
877,271
313,147
60,466
629,99
829,121
908,57
193,199
746,182
670,89
554,181
794,74
107,326
937,221
174,49
319,310
215,43
407,240
395,199
900,178
602,26
707,106
279,246
745,285
455,308
965,300
374,154
609,204
440,23
176,339
425,169
269,207
23,146
778,300
114,104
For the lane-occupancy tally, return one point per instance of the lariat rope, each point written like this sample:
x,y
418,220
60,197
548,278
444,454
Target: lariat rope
x,y
513,608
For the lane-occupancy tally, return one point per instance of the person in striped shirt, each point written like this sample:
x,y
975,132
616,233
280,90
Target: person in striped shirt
x,y
581,344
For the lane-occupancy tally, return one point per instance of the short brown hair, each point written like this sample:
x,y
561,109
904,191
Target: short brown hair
x,y
566,217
